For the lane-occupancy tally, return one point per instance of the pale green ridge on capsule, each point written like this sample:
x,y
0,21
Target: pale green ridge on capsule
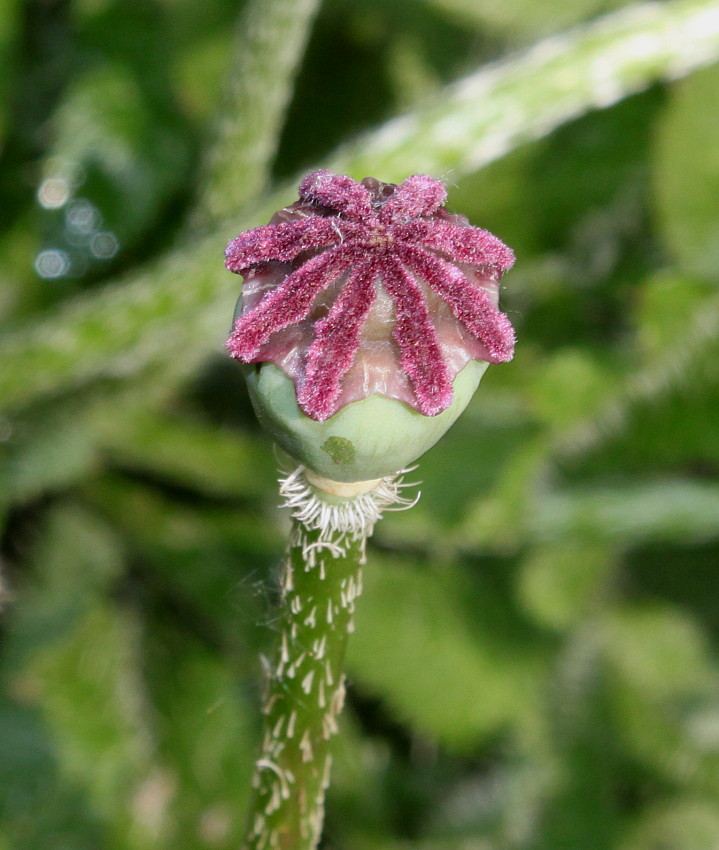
x,y
370,438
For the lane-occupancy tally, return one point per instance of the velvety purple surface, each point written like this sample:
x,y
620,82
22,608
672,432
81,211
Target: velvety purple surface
x,y
364,288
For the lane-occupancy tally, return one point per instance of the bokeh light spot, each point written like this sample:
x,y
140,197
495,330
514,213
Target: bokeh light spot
x,y
53,193
82,217
52,263
104,245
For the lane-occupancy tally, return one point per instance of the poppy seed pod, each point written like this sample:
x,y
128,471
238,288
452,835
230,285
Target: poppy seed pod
x,y
369,315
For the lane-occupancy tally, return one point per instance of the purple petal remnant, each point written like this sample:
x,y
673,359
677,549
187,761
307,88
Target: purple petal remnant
x,y
370,287
337,338
421,354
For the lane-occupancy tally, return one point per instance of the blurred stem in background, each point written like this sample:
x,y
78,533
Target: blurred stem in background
x,y
270,41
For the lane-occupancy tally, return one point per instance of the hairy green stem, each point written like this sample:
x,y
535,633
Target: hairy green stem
x,y
322,577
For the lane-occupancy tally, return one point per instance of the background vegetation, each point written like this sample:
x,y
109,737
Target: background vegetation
x,y
536,661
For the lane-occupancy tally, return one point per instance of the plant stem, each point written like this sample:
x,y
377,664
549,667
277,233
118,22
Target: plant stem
x,y
270,42
322,577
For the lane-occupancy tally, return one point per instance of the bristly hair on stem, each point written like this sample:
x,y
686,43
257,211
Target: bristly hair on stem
x,y
350,517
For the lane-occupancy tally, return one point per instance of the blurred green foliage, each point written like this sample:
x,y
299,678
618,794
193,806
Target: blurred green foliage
x,y
536,662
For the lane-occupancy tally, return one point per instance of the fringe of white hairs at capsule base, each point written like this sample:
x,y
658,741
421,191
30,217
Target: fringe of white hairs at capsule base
x,y
354,518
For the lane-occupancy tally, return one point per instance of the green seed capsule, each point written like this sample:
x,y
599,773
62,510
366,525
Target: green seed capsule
x,y
367,439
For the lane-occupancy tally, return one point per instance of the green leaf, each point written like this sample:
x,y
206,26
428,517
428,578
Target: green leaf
x,y
664,510
561,584
681,824
91,698
38,803
45,455
676,370
497,519
215,461
74,660
76,559
571,386
9,26
210,562
664,687
669,304
429,646
205,738
686,174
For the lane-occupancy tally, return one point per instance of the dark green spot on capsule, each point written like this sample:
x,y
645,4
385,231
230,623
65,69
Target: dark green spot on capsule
x,y
341,451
